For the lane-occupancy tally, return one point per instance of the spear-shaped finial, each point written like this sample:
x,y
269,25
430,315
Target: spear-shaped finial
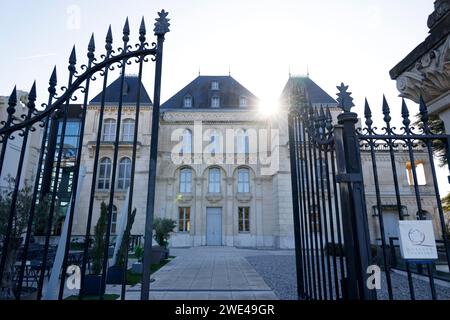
x,y
91,48
32,97
405,115
12,102
368,115
72,60
126,31
53,81
142,31
109,40
162,23
386,111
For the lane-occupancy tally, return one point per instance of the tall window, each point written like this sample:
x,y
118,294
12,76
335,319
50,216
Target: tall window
x,y
128,130
215,102
420,173
124,173
243,180
214,180
215,142
214,85
188,102
109,130
114,220
186,147
242,102
186,180
242,142
244,219
184,219
104,174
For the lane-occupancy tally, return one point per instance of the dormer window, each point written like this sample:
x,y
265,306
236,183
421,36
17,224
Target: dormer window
x,y
215,102
187,102
242,102
215,85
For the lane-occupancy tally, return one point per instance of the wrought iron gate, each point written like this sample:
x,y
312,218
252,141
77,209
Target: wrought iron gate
x,y
21,203
336,177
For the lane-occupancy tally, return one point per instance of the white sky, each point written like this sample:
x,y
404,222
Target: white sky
x,y
354,41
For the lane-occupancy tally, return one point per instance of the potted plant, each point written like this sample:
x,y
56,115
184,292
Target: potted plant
x,y
136,267
92,282
116,272
162,228
18,227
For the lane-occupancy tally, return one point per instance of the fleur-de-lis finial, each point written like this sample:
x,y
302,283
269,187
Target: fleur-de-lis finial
x,y
344,99
162,23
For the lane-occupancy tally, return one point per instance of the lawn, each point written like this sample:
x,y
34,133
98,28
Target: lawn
x,y
133,278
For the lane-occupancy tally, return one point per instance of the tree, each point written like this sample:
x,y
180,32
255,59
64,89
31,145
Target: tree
x,y
125,240
437,127
99,240
163,227
19,224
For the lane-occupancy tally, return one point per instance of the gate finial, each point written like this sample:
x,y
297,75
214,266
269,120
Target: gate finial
x,y
126,31
32,97
53,82
109,40
142,31
162,23
12,102
405,115
423,110
344,99
386,111
368,115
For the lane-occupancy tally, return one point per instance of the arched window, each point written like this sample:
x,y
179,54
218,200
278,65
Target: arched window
x,y
215,102
124,173
109,130
243,180
187,142
187,102
114,220
104,174
128,130
186,180
214,180
242,142
215,142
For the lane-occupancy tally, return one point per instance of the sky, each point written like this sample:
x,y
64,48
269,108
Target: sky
x,y
259,41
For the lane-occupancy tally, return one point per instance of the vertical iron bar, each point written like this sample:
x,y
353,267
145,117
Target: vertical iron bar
x,y
295,203
145,289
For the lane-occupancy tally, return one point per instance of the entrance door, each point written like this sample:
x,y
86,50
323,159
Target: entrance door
x,y
390,221
213,226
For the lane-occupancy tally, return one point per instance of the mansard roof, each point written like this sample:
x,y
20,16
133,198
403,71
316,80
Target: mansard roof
x,y
131,84
201,91
317,96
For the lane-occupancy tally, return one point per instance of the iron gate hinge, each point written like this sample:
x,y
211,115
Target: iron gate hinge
x,y
349,177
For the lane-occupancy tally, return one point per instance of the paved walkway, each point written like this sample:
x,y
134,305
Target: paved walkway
x,y
208,273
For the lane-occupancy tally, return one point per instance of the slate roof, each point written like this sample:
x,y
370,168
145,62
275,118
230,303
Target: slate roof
x,y
131,84
230,91
315,93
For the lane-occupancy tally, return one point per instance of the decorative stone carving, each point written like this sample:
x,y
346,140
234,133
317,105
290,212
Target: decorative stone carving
x,y
244,197
441,8
185,197
214,197
430,77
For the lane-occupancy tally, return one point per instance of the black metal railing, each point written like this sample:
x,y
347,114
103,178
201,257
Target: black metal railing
x,y
22,204
337,236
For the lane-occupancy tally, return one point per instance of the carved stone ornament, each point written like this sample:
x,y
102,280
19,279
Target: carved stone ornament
x,y
430,76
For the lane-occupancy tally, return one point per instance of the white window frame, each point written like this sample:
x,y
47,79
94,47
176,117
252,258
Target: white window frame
x,y
104,174
124,179
127,130
215,85
186,147
214,178
109,130
186,180
244,219
215,142
215,102
243,102
185,104
243,142
184,219
243,180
